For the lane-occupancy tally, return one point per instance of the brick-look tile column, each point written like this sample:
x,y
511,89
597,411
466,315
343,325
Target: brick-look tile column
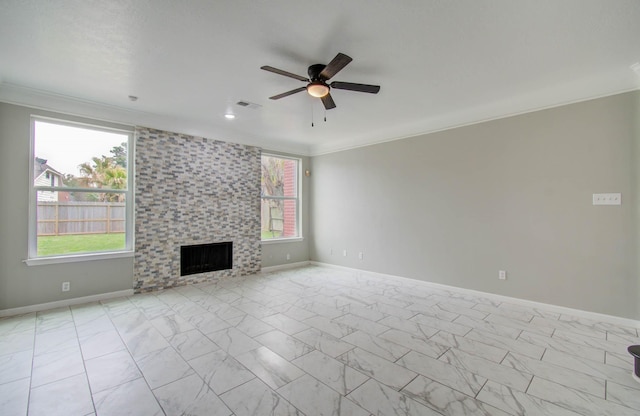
x,y
193,190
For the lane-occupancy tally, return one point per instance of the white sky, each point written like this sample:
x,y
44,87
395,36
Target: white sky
x,y
66,147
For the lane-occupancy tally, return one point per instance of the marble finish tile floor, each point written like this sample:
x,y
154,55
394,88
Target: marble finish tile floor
x,y
313,341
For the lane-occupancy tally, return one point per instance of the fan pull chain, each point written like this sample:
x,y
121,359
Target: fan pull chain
x,y
325,115
312,115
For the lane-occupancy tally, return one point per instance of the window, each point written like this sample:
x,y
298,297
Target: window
x,y
81,199
280,199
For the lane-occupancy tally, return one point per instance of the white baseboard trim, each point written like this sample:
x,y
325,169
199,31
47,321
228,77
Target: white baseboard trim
x,y
66,302
595,316
284,266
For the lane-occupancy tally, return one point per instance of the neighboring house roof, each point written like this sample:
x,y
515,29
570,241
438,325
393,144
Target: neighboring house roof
x,y
40,166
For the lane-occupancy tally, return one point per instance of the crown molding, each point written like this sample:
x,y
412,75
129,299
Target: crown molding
x,y
59,103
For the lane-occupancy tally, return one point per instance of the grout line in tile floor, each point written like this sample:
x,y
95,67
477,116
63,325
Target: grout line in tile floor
x,y
32,361
84,364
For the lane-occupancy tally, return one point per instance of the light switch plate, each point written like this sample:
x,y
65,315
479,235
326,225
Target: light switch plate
x,y
607,199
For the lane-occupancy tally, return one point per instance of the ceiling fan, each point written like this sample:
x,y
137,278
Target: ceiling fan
x,y
317,85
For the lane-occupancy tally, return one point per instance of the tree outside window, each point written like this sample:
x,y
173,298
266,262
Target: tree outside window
x,y
81,190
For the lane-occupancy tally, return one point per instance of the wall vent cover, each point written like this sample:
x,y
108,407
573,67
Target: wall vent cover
x,y
248,104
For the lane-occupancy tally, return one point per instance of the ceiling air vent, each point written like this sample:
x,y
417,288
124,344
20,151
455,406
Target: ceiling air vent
x,y
248,104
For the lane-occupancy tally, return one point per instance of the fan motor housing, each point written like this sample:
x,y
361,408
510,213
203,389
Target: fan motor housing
x,y
314,71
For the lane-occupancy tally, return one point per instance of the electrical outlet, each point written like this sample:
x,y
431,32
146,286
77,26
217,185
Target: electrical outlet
x,y
607,199
502,274
344,253
66,286
288,256
360,255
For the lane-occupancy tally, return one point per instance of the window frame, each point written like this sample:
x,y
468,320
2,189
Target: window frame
x,y
128,251
297,198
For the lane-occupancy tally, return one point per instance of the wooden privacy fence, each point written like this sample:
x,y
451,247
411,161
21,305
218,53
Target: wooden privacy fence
x,y
61,218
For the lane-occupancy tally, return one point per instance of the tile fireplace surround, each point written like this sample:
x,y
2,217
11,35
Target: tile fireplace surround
x,y
313,341
193,190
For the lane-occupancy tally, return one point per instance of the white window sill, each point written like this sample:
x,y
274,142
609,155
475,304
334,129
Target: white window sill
x,y
282,240
41,261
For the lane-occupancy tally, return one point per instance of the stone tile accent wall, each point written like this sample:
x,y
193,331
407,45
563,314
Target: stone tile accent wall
x,y
193,190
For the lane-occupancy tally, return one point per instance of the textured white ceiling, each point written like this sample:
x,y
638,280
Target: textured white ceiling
x,y
440,63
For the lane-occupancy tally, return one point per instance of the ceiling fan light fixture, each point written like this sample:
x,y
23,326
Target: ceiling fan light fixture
x,y
317,89
316,85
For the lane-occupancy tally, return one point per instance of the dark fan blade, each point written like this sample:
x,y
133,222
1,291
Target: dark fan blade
x,y
288,93
340,61
372,89
328,102
285,73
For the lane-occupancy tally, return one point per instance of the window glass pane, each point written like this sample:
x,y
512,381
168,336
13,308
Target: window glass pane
x,y
279,176
72,156
279,208
79,222
272,218
279,218
272,176
290,175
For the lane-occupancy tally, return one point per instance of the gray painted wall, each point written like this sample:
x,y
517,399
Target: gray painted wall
x,y
22,285
636,186
514,194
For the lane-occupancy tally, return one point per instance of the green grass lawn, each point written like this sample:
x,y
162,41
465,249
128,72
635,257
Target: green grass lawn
x,y
267,235
79,243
